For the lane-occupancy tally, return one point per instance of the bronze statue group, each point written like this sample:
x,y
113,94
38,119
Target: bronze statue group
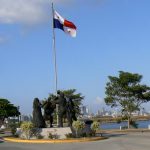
x,y
65,109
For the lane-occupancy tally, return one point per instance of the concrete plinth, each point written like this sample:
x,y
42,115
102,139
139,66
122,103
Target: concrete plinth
x,y
56,132
47,133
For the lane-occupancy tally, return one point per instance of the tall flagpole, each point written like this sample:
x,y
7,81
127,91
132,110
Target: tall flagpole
x,y
55,61
54,51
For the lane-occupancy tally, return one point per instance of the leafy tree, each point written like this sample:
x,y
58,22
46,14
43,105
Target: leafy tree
x,y
7,109
127,92
76,98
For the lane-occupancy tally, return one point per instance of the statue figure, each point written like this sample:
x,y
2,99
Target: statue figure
x,y
61,101
38,120
48,107
65,108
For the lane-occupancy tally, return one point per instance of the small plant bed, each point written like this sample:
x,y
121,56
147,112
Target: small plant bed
x,y
80,132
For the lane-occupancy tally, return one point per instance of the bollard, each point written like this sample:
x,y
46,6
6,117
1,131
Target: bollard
x,y
120,128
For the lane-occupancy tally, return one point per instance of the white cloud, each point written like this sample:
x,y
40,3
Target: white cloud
x,y
99,101
31,11
27,11
23,11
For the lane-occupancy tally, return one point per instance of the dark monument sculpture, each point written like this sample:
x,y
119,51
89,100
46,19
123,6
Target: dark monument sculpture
x,y
61,101
38,120
49,108
65,107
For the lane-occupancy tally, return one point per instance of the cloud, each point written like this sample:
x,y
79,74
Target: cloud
x,y
99,101
26,11
32,11
23,11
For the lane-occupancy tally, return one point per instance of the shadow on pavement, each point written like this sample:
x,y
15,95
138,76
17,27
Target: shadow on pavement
x,y
112,135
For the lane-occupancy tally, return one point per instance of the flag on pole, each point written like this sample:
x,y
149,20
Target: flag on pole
x,y
63,24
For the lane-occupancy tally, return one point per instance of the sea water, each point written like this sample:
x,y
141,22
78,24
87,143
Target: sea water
x,y
141,124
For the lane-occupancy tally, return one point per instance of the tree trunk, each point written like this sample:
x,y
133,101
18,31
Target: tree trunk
x,y
128,122
2,121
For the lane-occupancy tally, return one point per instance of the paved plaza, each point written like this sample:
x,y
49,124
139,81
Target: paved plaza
x,y
130,141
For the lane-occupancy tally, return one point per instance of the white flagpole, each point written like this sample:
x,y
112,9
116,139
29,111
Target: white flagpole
x,y
54,51
55,61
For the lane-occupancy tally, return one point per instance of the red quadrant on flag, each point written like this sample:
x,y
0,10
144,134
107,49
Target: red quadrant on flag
x,y
69,24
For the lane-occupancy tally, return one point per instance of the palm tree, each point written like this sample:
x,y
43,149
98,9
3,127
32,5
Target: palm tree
x,y
75,97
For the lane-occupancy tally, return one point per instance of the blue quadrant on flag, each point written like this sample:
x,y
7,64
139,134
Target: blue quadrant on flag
x,y
58,25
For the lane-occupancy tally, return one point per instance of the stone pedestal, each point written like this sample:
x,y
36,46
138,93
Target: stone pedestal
x,y
48,133
56,132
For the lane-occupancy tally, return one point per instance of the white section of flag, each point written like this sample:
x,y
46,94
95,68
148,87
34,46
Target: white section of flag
x,y
59,17
70,31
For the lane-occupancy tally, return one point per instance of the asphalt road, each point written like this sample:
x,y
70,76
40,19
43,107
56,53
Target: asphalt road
x,y
130,141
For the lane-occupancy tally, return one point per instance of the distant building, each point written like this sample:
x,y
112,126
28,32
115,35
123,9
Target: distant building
x,y
101,112
25,118
84,110
136,113
116,113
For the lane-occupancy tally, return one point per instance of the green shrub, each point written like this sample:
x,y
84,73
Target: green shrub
x,y
13,131
78,126
91,134
27,129
69,135
52,136
95,126
84,134
39,136
13,128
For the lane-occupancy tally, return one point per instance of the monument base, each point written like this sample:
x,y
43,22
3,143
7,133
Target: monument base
x,y
47,133
55,133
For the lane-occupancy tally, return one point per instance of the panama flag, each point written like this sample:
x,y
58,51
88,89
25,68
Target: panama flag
x,y
63,24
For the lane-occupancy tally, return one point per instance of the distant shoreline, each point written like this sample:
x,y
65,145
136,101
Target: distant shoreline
x,y
119,119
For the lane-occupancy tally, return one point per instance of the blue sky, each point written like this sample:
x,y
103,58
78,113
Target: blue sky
x,y
112,35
